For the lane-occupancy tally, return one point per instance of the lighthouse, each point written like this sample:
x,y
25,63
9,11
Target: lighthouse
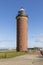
x,y
22,30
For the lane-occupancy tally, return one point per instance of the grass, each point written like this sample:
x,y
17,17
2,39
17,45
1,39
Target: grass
x,y
10,53
33,50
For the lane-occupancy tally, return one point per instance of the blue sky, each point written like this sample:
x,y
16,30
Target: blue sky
x,y
9,10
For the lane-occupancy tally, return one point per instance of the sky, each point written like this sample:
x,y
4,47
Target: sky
x,y
8,12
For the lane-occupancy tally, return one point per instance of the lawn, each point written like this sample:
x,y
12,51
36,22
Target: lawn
x,y
10,53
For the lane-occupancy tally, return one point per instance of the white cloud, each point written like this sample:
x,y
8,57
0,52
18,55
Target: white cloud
x,y
36,41
7,44
39,38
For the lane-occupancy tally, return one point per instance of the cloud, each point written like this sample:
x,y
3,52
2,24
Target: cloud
x,y
7,44
36,40
39,38
1,41
2,46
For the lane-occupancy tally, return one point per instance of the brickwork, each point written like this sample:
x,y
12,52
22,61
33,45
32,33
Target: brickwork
x,y
22,31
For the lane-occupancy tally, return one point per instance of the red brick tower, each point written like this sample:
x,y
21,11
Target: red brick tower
x,y
22,30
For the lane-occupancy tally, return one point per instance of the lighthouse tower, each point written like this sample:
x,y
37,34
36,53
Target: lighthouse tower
x,y
22,30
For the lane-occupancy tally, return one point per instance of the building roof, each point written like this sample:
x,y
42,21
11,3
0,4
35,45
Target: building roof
x,y
22,12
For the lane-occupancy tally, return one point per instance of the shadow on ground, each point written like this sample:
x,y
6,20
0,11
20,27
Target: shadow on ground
x,y
41,56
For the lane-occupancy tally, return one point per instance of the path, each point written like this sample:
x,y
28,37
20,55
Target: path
x,y
23,60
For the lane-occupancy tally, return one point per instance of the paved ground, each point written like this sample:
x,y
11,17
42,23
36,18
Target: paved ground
x,y
23,60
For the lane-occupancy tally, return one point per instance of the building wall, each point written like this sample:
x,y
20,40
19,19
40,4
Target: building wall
x,y
22,31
